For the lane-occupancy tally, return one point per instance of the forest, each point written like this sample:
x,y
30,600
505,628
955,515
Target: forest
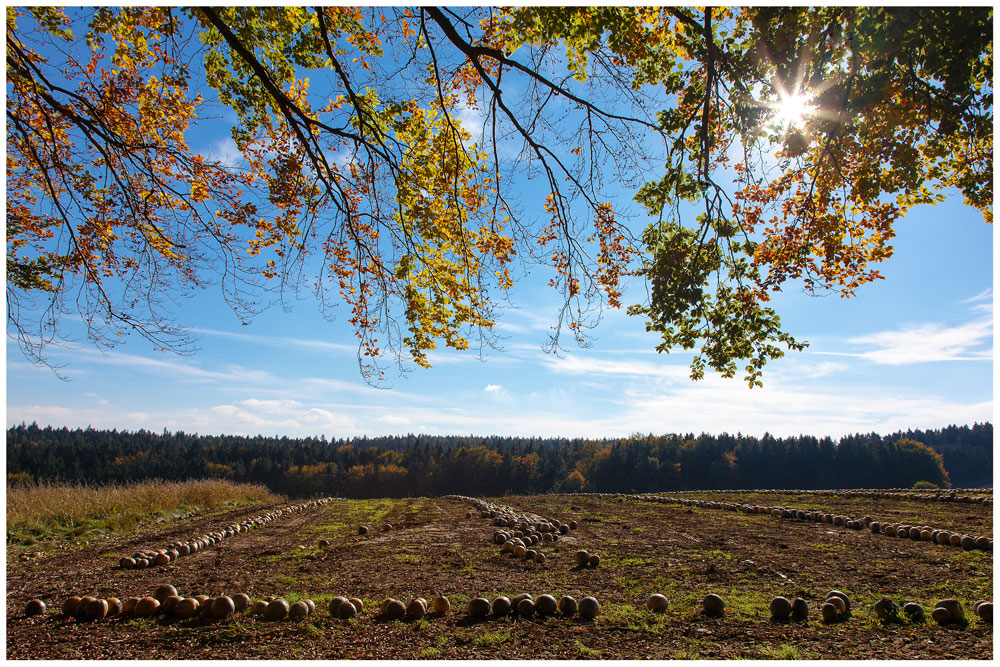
x,y
424,465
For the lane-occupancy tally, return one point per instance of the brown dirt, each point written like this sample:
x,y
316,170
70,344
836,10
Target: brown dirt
x,y
645,548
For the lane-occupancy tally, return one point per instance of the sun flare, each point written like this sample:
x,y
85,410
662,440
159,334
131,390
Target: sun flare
x,y
792,109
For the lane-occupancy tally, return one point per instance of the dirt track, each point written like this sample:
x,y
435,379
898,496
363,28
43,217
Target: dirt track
x,y
433,549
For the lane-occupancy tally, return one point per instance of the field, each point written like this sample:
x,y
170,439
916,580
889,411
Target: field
x,y
434,548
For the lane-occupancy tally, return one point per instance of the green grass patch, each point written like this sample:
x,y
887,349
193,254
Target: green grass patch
x,y
627,561
493,637
586,652
406,558
784,652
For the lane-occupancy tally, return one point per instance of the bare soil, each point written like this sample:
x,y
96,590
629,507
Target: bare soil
x,y
433,549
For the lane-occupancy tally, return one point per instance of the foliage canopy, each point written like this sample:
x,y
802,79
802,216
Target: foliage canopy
x,y
378,149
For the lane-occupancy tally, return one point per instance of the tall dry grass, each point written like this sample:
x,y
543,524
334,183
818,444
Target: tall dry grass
x,y
39,510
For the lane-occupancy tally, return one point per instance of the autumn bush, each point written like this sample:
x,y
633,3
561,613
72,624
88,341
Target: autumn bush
x,y
41,510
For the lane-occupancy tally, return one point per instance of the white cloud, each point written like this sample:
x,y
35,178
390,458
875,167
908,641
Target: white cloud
x,y
231,419
394,419
927,342
796,369
471,119
579,365
226,152
269,405
494,389
792,409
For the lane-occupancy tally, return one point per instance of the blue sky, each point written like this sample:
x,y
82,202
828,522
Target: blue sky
x,y
913,350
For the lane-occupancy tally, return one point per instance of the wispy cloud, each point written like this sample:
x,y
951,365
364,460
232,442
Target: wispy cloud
x,y
580,365
927,342
982,302
985,295
281,341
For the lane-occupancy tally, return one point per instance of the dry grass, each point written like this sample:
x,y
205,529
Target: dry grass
x,y
42,510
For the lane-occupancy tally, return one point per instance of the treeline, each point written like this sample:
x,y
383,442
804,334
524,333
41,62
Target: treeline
x,y
433,465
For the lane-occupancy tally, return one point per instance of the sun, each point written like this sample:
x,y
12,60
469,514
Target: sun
x,y
792,109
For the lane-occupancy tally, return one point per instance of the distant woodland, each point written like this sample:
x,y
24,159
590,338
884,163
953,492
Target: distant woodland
x,y
422,465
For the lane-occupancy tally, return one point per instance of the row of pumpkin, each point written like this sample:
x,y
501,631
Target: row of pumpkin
x,y
940,536
164,556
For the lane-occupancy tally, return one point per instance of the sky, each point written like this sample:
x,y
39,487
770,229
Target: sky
x,y
912,351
